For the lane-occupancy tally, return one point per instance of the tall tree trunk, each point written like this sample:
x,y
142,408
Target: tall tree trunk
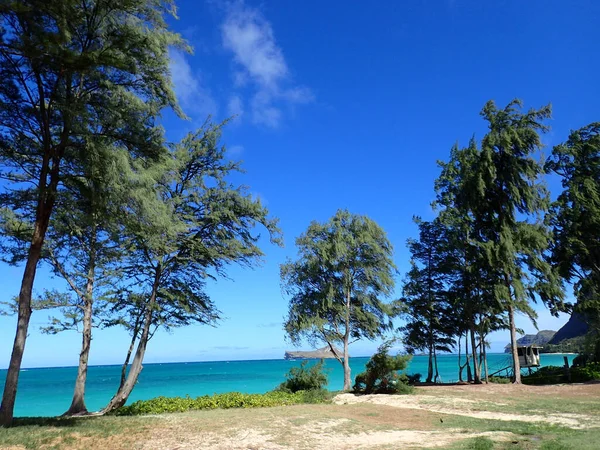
x,y
47,187
437,373
120,398
476,372
78,407
513,345
460,367
23,316
430,365
347,374
484,354
469,373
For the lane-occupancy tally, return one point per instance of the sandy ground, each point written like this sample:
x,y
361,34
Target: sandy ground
x,y
407,420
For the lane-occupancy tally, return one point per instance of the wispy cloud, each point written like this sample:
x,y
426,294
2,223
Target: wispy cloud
x,y
235,106
229,347
235,151
195,100
269,325
261,64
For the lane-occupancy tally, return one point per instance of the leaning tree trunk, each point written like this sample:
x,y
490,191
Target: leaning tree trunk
x,y
129,352
513,345
476,369
78,407
24,311
120,398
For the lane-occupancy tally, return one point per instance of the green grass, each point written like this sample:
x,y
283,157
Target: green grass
x,y
288,425
527,435
37,432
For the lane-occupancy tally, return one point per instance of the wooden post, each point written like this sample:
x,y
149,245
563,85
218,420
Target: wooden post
x,y
567,371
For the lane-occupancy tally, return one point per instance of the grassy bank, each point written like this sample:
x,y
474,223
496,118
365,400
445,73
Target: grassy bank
x,y
454,417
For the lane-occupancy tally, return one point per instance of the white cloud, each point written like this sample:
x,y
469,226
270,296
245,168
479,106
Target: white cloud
x,y
249,36
235,106
195,100
235,151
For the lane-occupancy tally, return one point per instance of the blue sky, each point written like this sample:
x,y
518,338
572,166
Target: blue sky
x,y
345,105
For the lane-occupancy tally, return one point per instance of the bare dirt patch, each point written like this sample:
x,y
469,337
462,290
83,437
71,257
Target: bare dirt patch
x,y
319,435
482,402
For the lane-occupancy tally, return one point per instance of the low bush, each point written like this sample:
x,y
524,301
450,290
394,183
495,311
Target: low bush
x,y
414,378
499,380
556,375
161,405
381,376
305,378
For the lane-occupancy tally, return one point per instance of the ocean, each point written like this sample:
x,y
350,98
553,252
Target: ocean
x,y
48,391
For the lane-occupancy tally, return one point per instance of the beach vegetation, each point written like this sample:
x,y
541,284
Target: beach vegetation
x,y
227,400
381,375
557,374
305,377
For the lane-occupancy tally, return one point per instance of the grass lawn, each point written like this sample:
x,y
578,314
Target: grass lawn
x,y
454,417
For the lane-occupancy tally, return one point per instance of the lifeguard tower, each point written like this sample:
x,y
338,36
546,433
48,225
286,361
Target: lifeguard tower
x,y
529,355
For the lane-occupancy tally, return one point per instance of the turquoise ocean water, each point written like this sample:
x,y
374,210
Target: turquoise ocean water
x,y
48,391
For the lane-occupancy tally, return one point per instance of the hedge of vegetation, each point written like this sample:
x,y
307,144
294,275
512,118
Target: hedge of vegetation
x,y
161,405
556,375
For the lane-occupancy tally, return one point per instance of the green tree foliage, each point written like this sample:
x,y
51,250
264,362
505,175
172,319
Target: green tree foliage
x,y
338,282
84,246
511,201
305,378
70,70
575,218
472,276
197,224
430,315
381,375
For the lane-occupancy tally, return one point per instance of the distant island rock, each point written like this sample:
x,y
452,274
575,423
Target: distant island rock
x,y
540,339
320,353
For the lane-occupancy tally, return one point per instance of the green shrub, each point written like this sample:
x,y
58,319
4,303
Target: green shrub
x,y
161,405
305,378
556,375
381,376
413,379
499,380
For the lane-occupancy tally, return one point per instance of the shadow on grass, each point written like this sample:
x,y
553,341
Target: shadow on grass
x,y
49,421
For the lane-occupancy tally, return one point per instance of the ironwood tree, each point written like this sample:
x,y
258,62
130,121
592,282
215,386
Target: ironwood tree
x,y
430,324
67,68
575,220
195,225
339,283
